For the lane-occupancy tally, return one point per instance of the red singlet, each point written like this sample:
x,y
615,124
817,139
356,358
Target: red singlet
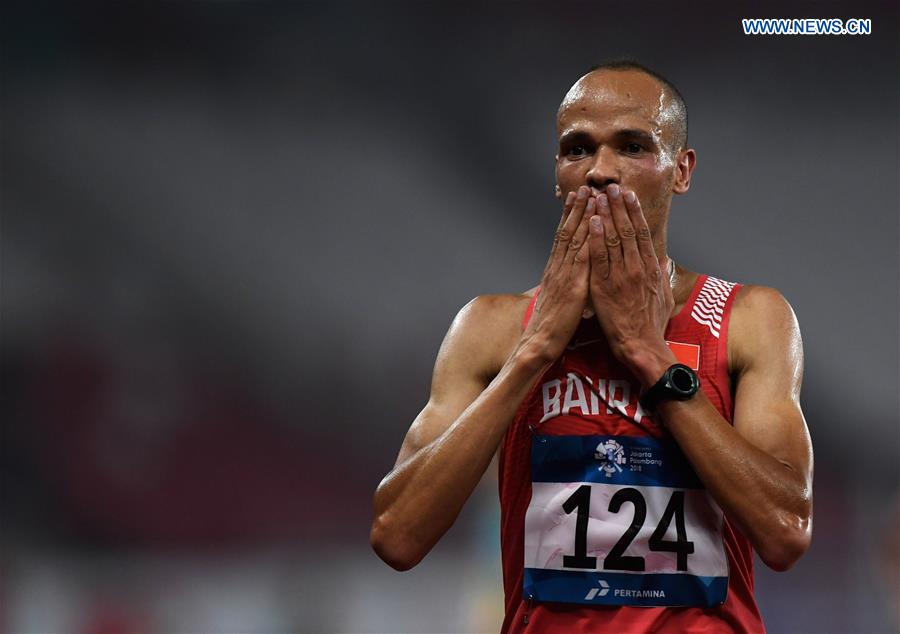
x,y
701,327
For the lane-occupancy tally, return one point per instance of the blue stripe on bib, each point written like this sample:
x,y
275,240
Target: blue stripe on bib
x,y
618,460
612,588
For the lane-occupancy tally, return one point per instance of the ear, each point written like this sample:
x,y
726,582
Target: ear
x,y
687,160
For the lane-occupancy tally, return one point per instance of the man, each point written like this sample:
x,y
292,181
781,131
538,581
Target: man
x,y
647,417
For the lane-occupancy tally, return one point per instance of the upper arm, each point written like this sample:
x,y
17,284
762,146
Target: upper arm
x,y
473,351
766,356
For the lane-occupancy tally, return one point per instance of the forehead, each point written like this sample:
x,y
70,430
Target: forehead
x,y
619,99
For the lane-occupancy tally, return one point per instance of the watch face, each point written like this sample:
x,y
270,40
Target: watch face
x,y
679,383
683,380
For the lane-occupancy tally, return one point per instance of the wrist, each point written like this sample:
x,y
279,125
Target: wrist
x,y
678,383
531,357
648,363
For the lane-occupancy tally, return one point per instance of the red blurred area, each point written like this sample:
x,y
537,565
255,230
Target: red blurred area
x,y
149,453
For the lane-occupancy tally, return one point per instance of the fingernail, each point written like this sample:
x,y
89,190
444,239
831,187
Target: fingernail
x,y
613,190
570,197
582,193
630,197
596,224
604,201
591,204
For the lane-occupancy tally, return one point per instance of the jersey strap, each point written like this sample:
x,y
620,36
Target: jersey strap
x,y
530,308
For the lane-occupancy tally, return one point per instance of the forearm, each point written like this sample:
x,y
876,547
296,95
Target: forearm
x,y
767,500
420,499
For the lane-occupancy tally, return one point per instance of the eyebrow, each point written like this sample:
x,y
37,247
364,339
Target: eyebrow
x,y
630,133
574,136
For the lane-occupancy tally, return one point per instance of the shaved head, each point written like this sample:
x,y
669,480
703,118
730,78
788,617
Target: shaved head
x,y
622,124
671,112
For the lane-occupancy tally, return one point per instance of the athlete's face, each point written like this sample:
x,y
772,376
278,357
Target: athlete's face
x,y
618,127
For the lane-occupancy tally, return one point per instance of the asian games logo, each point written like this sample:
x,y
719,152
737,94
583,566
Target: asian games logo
x,y
610,454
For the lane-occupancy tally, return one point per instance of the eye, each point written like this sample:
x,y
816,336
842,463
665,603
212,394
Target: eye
x,y
634,148
577,150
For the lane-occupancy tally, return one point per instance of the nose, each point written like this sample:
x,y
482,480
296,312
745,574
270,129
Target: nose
x,y
604,169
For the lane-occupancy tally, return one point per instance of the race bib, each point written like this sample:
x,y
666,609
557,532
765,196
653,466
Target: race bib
x,y
621,520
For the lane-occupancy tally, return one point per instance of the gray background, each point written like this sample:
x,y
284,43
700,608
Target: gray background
x,y
234,234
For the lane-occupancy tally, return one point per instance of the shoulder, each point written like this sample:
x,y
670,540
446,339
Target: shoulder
x,y
487,329
759,308
762,325
495,311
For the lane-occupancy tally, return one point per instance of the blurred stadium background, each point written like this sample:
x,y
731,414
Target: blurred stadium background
x,y
234,234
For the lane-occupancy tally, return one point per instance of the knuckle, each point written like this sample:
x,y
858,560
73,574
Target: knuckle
x,y
612,240
643,233
628,232
563,236
575,244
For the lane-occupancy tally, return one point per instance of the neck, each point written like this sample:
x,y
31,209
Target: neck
x,y
660,238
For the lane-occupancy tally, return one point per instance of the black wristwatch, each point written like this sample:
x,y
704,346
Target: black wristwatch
x,y
678,383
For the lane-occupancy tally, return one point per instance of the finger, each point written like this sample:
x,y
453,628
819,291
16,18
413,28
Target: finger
x,y
567,208
567,231
578,206
583,256
581,233
630,252
610,236
598,252
644,238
